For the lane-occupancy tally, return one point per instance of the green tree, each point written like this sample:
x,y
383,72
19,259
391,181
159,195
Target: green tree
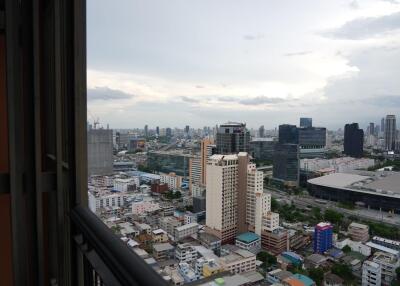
x,y
274,204
333,216
398,273
316,274
346,249
344,271
316,211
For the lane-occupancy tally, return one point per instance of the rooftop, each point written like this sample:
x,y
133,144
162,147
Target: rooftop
x,y
186,226
358,225
248,237
379,183
162,247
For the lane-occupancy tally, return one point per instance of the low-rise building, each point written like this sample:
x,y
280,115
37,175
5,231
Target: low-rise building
x,y
239,261
315,261
169,224
163,251
298,280
331,279
371,274
187,272
278,275
249,241
358,232
144,207
159,236
356,246
185,253
185,230
388,264
126,185
210,241
275,241
393,244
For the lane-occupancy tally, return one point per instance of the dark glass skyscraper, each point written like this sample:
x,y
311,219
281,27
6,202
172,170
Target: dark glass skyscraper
x,y
232,138
353,140
305,122
286,163
288,134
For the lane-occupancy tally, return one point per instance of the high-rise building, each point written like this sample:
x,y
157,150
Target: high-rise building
x,y
262,148
100,151
312,141
158,130
390,132
187,129
288,134
383,124
322,240
234,202
221,198
207,148
232,138
195,171
305,122
261,131
146,130
371,128
286,163
168,132
353,140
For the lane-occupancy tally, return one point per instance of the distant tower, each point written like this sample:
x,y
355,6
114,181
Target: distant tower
x,y
323,233
371,128
158,131
353,140
146,130
305,122
261,131
383,125
232,138
390,132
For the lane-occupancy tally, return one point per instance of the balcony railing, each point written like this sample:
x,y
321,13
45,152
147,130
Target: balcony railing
x,y
106,259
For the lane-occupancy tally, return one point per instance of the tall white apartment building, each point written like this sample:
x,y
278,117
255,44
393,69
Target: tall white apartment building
x,y
172,180
222,193
195,172
371,274
258,203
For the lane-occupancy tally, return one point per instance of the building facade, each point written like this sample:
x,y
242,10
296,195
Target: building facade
x,y
390,132
286,163
232,138
100,151
353,140
322,240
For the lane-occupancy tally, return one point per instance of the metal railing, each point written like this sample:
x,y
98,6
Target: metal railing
x,y
106,259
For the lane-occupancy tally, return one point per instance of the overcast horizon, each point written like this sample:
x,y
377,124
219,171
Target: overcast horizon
x,y
202,63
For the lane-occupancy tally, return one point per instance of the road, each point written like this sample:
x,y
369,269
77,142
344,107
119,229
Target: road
x,y
303,202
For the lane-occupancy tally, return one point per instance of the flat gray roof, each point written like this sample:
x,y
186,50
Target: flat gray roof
x,y
338,180
388,183
383,184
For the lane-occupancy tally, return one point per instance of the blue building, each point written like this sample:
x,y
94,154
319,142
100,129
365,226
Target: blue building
x,y
323,237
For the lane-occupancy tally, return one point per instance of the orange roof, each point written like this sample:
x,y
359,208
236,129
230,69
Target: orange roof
x,y
293,281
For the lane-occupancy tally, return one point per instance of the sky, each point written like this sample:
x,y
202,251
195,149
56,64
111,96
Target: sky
x,y
172,63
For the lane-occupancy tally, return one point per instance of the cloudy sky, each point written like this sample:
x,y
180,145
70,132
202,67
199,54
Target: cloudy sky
x,y
263,62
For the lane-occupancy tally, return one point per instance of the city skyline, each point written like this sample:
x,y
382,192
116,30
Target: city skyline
x,y
265,63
